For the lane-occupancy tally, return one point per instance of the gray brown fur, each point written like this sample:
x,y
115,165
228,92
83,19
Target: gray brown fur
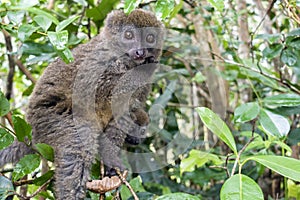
x,y
73,104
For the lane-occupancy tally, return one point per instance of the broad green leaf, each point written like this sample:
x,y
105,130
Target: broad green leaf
x,y
198,158
46,151
43,21
130,5
274,124
4,105
6,138
25,166
58,39
270,38
216,125
6,187
178,196
289,99
246,112
284,146
288,57
38,11
25,31
23,4
218,4
16,16
241,187
22,128
163,8
288,167
295,32
33,48
100,12
65,23
295,43
273,50
45,177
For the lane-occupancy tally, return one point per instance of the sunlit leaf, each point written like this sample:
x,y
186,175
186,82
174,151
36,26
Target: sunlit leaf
x,y
241,187
25,166
288,167
198,158
218,4
25,31
65,23
38,11
163,8
216,125
6,138
274,124
43,21
16,16
130,5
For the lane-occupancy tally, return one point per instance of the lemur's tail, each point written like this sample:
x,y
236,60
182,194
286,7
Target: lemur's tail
x,y
14,153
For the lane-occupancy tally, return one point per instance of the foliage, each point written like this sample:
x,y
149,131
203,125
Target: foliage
x,y
197,152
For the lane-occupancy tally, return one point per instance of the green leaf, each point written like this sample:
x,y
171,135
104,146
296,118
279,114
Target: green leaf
x,y
44,178
136,185
199,77
25,166
25,31
16,16
22,128
198,158
295,32
66,55
274,124
6,188
246,112
130,5
241,187
288,167
273,50
100,12
163,99
288,57
23,4
6,138
65,23
218,4
178,196
4,105
216,125
43,21
59,39
46,151
38,11
289,100
295,43
163,8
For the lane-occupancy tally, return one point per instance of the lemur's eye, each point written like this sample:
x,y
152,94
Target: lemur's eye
x,y
128,35
150,38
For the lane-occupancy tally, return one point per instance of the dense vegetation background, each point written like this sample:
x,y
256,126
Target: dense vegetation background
x,y
225,106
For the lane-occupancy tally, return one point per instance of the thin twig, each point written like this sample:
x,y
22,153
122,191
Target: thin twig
x,y
135,197
25,71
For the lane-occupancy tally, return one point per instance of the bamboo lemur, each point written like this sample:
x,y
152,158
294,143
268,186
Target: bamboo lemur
x,y
96,103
